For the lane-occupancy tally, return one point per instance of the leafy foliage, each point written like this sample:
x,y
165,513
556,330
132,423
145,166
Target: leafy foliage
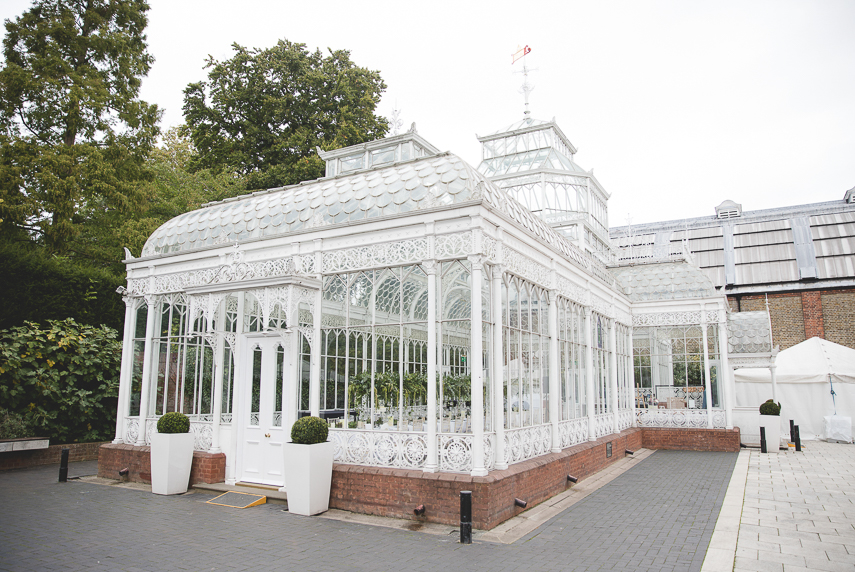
x,y
63,379
263,112
37,287
769,407
309,430
173,422
14,425
73,134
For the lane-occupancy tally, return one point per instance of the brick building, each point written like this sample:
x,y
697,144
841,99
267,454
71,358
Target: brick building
x,y
802,258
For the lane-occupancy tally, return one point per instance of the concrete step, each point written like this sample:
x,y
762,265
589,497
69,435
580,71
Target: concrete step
x,y
273,494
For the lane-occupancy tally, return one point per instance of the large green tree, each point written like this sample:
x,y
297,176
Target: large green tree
x,y
263,112
74,135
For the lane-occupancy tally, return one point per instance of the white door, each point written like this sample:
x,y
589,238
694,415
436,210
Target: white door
x,y
264,375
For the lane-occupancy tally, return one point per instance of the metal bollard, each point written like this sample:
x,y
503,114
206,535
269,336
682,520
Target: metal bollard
x,y
792,432
465,517
63,466
798,439
762,439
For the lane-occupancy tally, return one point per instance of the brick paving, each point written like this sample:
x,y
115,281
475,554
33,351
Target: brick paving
x,y
659,516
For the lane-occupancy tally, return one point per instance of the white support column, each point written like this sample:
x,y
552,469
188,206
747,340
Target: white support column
x,y
772,369
126,368
315,379
219,366
498,377
631,378
707,391
725,374
477,370
613,386
589,376
238,390
431,465
147,363
554,373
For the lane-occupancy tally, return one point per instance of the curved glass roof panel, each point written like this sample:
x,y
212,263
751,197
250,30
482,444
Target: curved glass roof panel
x,y
665,281
403,187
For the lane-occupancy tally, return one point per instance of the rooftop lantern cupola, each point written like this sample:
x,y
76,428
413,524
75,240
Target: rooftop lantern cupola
x,y
533,161
379,153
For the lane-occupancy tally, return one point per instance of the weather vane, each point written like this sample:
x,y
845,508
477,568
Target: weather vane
x,y
395,121
527,88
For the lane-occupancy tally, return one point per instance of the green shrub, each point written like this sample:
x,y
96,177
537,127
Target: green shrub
x,y
770,408
63,379
14,425
173,422
309,430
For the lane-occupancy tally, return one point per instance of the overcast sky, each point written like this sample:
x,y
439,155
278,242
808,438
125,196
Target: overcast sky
x,y
676,105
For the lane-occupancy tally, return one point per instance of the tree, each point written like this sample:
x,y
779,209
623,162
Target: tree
x,y
73,134
263,112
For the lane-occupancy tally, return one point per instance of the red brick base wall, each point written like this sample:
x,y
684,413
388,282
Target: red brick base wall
x,y
49,456
691,439
396,492
206,468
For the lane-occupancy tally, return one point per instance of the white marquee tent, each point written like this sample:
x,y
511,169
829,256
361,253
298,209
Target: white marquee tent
x,y
805,375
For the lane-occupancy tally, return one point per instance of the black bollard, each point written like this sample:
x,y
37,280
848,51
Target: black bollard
x,y
792,432
762,439
798,439
63,466
465,517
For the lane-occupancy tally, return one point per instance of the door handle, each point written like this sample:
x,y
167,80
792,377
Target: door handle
x,y
267,435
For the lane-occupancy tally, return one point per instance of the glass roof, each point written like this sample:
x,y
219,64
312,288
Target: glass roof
x,y
528,161
434,181
748,332
665,281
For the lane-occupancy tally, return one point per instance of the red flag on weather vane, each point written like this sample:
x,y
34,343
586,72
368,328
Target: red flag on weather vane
x,y
519,54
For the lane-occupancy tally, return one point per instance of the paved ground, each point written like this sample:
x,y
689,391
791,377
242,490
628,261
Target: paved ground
x,y
799,511
657,516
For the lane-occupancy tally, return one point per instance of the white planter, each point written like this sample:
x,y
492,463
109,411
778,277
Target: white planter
x,y
772,423
171,458
308,476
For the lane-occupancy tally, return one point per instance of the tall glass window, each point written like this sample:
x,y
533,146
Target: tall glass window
x,y
571,359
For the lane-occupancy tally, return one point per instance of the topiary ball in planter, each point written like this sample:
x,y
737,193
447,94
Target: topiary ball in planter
x,y
770,408
173,422
309,430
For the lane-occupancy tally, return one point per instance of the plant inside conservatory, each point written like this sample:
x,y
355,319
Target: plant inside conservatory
x,y
171,454
770,418
308,467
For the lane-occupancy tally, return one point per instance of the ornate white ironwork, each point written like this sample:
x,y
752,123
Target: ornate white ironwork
x,y
525,267
225,418
666,319
678,418
396,449
202,435
253,419
624,419
453,245
489,447
376,255
604,424
132,430
573,431
455,452
150,427
225,273
527,442
573,291
601,306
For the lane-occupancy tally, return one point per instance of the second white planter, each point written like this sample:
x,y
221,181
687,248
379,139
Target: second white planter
x,y
308,477
171,459
772,423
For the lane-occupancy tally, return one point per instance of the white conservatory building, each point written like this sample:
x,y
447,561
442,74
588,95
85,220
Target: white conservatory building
x,y
441,317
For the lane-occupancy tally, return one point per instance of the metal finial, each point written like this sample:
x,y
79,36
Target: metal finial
x,y
526,88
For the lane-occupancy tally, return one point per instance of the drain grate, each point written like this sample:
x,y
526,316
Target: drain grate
x,y
238,500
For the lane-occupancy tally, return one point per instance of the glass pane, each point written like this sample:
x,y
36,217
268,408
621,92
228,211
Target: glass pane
x,y
255,398
278,382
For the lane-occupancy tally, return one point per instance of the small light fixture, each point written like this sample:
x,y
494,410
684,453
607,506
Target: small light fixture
x,y
419,510
520,503
572,479
124,472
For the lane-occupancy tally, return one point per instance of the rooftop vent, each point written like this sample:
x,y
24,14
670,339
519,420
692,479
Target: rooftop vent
x,y
728,209
849,197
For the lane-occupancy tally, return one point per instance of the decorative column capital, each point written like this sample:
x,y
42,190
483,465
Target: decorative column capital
x,y
431,267
477,262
